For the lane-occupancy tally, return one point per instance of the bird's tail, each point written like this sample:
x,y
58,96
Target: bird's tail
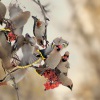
x,y
3,83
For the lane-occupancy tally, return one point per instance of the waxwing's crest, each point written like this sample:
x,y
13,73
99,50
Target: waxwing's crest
x,y
39,23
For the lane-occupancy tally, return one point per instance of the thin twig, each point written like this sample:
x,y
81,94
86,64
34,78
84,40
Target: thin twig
x,y
9,24
42,9
16,59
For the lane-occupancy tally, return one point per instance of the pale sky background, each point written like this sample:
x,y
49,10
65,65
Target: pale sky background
x,y
59,25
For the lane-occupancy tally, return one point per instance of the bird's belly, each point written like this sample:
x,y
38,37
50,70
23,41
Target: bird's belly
x,y
63,69
53,62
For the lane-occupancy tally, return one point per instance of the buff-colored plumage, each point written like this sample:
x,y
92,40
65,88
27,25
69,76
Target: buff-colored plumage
x,y
20,19
39,31
53,59
63,65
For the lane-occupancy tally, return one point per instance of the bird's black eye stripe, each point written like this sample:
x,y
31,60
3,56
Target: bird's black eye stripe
x,y
66,55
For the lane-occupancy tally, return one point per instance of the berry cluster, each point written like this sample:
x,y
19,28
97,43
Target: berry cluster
x,y
11,36
52,81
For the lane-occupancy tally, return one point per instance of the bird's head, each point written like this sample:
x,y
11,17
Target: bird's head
x,y
39,23
30,40
59,41
58,47
65,56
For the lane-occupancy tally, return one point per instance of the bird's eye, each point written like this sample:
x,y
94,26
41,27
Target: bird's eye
x,y
53,45
64,44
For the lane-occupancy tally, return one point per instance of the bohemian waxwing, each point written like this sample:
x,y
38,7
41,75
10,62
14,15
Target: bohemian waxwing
x,y
29,50
56,41
63,65
53,59
39,31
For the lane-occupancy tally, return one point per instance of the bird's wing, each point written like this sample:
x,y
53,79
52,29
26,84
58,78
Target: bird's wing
x,y
21,19
19,31
67,65
14,10
18,43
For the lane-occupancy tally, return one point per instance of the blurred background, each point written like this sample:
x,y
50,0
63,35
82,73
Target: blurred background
x,y
78,22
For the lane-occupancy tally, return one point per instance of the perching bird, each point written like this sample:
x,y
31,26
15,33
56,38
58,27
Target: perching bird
x,y
2,12
63,65
57,41
65,81
53,59
39,31
29,51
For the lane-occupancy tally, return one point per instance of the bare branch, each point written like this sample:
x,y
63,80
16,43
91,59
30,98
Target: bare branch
x,y
42,9
45,18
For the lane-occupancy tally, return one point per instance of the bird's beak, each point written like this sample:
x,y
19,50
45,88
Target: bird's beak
x,y
70,87
64,58
27,35
35,18
59,47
